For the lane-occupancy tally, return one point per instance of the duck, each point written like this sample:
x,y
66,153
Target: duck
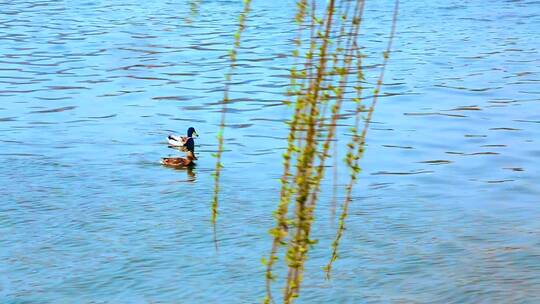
x,y
181,162
180,141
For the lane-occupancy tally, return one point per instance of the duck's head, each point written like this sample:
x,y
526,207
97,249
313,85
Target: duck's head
x,y
191,132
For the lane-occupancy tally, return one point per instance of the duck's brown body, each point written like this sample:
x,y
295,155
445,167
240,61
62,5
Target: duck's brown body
x,y
178,161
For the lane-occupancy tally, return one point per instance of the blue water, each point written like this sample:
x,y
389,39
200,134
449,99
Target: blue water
x,y
446,209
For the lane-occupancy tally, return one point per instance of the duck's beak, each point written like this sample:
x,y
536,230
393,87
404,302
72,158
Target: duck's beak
x,y
195,134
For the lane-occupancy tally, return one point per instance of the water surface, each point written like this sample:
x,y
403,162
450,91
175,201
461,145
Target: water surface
x,y
446,209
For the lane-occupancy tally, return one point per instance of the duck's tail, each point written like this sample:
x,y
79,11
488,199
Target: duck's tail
x,y
175,141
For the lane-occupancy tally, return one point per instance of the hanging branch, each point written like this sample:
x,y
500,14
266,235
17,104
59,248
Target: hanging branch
x,y
339,91
280,231
228,77
321,88
300,242
361,144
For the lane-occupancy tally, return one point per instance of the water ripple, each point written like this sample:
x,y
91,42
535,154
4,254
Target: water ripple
x,y
446,206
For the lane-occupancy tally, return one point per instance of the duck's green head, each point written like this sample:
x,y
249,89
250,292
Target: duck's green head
x,y
191,132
